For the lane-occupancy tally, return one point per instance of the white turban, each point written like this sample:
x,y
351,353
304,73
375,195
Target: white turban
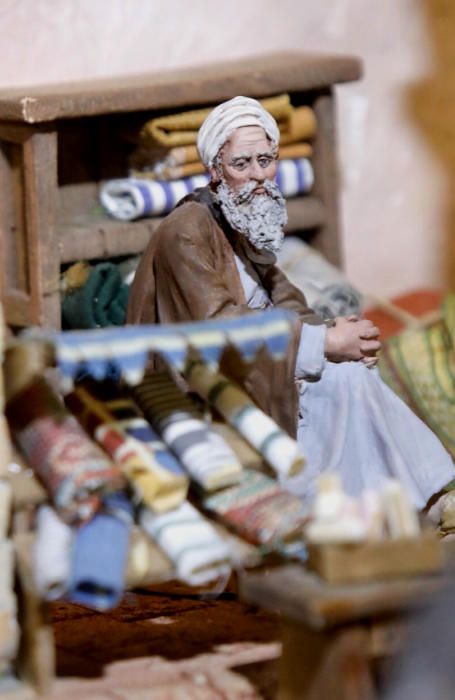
x,y
226,118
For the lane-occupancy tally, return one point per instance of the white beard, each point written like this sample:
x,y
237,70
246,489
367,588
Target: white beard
x,y
259,217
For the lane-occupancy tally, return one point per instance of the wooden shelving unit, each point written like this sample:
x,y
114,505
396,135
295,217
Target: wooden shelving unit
x,y
58,142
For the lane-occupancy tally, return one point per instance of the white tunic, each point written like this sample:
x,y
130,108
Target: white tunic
x,y
351,423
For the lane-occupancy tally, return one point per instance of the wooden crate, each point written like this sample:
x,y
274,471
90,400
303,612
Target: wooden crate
x,y
369,561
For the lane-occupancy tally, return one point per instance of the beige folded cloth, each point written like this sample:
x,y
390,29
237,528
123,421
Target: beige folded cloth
x,y
161,170
300,126
147,564
181,129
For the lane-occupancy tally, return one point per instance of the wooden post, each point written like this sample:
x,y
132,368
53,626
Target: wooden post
x,y
323,664
328,237
30,259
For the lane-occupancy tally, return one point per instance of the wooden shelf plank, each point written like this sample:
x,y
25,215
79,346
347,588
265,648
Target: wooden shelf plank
x,y
91,238
257,76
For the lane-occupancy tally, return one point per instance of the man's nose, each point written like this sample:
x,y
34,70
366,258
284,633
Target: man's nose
x,y
256,172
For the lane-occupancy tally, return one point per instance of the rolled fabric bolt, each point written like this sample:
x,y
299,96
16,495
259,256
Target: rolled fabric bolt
x,y
205,455
190,541
278,449
100,554
5,507
259,510
150,477
72,468
51,554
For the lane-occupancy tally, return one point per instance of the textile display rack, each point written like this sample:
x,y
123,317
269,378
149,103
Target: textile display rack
x,y
156,470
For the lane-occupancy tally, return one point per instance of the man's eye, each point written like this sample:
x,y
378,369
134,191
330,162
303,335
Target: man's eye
x,y
240,164
265,161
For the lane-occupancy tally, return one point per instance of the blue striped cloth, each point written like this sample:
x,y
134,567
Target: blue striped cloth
x,y
131,197
125,350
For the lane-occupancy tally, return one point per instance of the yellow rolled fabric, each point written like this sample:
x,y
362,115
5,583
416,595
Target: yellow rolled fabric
x,y
295,150
279,450
300,126
181,129
157,486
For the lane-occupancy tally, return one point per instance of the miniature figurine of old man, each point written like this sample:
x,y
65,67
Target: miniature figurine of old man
x,y
215,255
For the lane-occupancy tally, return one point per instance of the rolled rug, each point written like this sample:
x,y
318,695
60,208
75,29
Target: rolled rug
x,y
159,482
191,543
259,510
209,461
74,470
51,554
132,198
280,451
100,554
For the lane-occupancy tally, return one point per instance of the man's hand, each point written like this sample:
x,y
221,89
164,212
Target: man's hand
x,y
351,339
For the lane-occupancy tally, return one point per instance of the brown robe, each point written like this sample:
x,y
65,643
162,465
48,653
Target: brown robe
x,y
188,273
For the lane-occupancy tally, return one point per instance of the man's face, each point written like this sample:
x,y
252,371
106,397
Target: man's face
x,y
248,156
249,197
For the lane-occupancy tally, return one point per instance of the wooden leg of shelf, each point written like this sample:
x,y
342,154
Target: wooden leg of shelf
x,y
318,665
326,185
28,245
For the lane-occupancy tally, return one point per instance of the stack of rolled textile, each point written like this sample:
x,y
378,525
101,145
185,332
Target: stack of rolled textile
x,y
116,473
165,165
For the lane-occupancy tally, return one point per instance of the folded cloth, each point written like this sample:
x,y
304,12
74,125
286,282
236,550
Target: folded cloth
x,y
300,126
51,554
73,470
326,288
98,303
147,564
190,541
100,554
181,129
259,510
5,507
419,365
205,455
155,478
280,451
131,198
164,169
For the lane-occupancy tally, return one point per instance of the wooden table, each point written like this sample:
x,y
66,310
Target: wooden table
x,y
332,633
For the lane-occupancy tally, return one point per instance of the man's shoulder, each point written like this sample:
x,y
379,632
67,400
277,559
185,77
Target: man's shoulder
x,y
189,219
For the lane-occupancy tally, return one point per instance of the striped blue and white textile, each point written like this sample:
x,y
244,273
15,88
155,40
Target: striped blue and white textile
x,y
132,197
207,458
190,541
125,350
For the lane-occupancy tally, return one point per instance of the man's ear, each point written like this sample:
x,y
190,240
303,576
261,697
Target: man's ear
x,y
214,174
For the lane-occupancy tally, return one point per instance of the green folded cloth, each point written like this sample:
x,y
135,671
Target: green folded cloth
x,y
100,302
419,365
